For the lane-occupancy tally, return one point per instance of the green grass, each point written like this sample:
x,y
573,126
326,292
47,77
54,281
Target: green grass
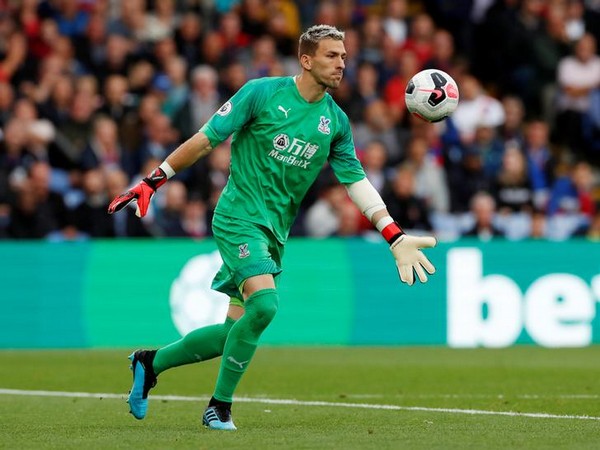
x,y
562,382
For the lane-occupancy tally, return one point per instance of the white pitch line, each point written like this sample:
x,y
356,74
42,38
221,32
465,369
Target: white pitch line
x,y
478,396
275,401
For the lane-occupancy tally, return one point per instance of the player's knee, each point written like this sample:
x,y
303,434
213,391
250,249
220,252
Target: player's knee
x,y
263,307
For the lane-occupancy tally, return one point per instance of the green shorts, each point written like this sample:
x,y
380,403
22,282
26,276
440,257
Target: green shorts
x,y
247,249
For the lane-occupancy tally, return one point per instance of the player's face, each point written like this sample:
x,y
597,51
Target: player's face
x,y
327,65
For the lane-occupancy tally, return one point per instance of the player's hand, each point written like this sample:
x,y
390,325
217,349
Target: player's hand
x,y
409,258
142,193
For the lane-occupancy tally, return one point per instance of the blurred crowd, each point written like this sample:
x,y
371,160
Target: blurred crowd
x,y
96,93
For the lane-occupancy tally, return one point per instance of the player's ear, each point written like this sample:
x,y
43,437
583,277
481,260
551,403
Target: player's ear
x,y
306,61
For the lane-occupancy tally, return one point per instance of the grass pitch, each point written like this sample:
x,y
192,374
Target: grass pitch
x,y
312,398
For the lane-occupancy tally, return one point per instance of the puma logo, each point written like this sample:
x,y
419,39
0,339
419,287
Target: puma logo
x,y
283,110
233,360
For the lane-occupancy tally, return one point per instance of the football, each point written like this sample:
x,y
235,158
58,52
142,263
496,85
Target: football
x,y
432,95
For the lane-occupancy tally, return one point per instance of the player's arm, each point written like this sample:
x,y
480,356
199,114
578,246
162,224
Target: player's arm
x,y
405,248
184,156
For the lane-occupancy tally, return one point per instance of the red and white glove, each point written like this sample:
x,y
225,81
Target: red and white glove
x,y
142,192
407,253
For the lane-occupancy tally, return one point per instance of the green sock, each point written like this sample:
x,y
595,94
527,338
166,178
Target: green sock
x,y
260,308
198,345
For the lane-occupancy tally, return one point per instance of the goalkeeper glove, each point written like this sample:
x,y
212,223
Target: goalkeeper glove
x,y
407,253
142,192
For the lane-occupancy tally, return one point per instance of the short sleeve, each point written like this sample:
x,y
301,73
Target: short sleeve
x,y
236,112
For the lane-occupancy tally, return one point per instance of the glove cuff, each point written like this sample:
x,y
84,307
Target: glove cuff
x,y
156,178
392,232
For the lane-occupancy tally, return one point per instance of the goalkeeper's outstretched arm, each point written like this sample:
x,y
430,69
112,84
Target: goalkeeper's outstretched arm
x,y
405,248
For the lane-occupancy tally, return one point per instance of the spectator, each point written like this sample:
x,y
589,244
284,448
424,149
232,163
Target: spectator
x,y
430,179
90,48
283,25
160,139
160,23
89,217
489,148
214,53
578,75
540,161
401,200
371,39
195,221
483,210
37,211
573,194
139,77
14,158
7,97
233,40
394,88
539,225
73,135
395,23
591,128
476,108
377,124
420,38
514,115
14,56
70,18
56,107
364,92
593,231
512,188
210,174
117,60
202,102
442,55
104,150
374,161
254,15
169,218
188,38
178,88
333,214
466,179
130,21
233,78
264,59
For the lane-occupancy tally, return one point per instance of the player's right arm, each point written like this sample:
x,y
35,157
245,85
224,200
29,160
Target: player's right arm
x,y
184,156
232,116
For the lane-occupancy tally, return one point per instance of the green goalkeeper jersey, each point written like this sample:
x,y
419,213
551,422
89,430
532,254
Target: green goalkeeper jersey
x,y
280,143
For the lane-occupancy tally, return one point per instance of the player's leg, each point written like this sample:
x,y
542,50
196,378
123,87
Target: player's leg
x,y
254,257
261,302
199,345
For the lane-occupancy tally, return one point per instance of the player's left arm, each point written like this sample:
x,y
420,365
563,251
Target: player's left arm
x,y
405,248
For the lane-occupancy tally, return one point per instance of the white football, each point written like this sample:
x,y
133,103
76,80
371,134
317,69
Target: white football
x,y
432,95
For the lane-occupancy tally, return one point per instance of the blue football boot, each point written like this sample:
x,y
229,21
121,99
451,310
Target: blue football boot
x,y
144,379
218,418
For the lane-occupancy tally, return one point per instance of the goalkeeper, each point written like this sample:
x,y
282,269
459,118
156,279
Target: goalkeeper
x,y
284,130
